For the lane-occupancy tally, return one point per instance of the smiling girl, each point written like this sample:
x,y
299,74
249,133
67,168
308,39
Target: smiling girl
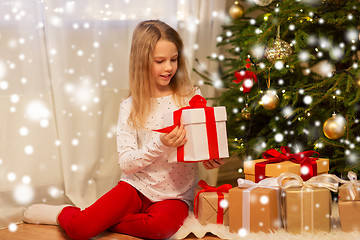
x,y
154,193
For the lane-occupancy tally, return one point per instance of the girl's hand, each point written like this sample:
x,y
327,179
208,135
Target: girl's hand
x,y
175,138
213,163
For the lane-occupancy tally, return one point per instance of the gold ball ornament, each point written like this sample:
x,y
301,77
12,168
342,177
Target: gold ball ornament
x,y
263,2
236,11
334,127
278,49
270,100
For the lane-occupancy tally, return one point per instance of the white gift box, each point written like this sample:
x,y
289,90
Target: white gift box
x,y
197,148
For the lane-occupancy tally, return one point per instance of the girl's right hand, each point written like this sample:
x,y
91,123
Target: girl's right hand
x,y
175,138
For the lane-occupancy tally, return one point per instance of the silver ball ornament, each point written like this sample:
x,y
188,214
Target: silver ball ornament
x,y
263,2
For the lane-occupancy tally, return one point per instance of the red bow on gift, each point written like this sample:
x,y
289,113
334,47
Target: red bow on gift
x,y
197,102
220,192
303,158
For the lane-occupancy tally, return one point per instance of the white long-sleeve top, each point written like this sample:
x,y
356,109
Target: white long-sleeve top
x,y
144,159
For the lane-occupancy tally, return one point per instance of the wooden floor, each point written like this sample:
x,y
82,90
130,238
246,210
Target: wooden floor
x,y
49,232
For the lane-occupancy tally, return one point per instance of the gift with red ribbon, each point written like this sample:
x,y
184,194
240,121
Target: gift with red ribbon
x,y
308,164
204,201
276,162
202,124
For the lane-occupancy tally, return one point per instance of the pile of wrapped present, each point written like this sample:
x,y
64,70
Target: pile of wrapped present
x,y
284,195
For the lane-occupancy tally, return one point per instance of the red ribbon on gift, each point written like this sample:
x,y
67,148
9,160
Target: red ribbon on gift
x,y
302,158
197,102
220,192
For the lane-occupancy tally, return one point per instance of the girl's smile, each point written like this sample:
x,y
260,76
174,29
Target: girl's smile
x,y
165,66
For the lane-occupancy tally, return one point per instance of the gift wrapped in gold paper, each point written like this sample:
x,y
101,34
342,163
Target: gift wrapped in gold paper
x,y
254,207
208,208
349,215
284,161
307,205
350,190
275,169
307,210
349,203
211,204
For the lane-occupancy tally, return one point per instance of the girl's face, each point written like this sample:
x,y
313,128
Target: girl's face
x,y
164,66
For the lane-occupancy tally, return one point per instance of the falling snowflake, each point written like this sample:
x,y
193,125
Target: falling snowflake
x,y
12,227
37,110
29,149
23,194
11,176
279,137
279,65
242,232
304,170
74,168
54,192
308,99
224,203
264,199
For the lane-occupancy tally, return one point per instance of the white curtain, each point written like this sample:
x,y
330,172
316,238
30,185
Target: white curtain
x,y
63,73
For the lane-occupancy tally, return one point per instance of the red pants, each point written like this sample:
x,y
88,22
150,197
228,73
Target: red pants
x,y
125,210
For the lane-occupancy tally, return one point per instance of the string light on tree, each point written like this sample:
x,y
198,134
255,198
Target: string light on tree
x,y
334,127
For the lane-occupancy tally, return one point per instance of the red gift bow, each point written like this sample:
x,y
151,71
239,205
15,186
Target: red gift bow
x,y
302,158
197,101
220,192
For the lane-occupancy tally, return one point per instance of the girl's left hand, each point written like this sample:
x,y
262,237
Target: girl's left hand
x,y
213,163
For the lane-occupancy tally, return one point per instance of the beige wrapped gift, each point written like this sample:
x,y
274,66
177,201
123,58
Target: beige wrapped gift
x,y
211,204
349,215
254,209
208,208
350,190
307,205
307,210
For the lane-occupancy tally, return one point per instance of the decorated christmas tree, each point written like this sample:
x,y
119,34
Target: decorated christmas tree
x,y
290,77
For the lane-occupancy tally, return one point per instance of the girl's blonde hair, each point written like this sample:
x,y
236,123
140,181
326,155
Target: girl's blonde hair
x,y
144,39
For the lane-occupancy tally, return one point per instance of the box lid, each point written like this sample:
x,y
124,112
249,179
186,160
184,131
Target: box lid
x,y
275,169
344,192
197,115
